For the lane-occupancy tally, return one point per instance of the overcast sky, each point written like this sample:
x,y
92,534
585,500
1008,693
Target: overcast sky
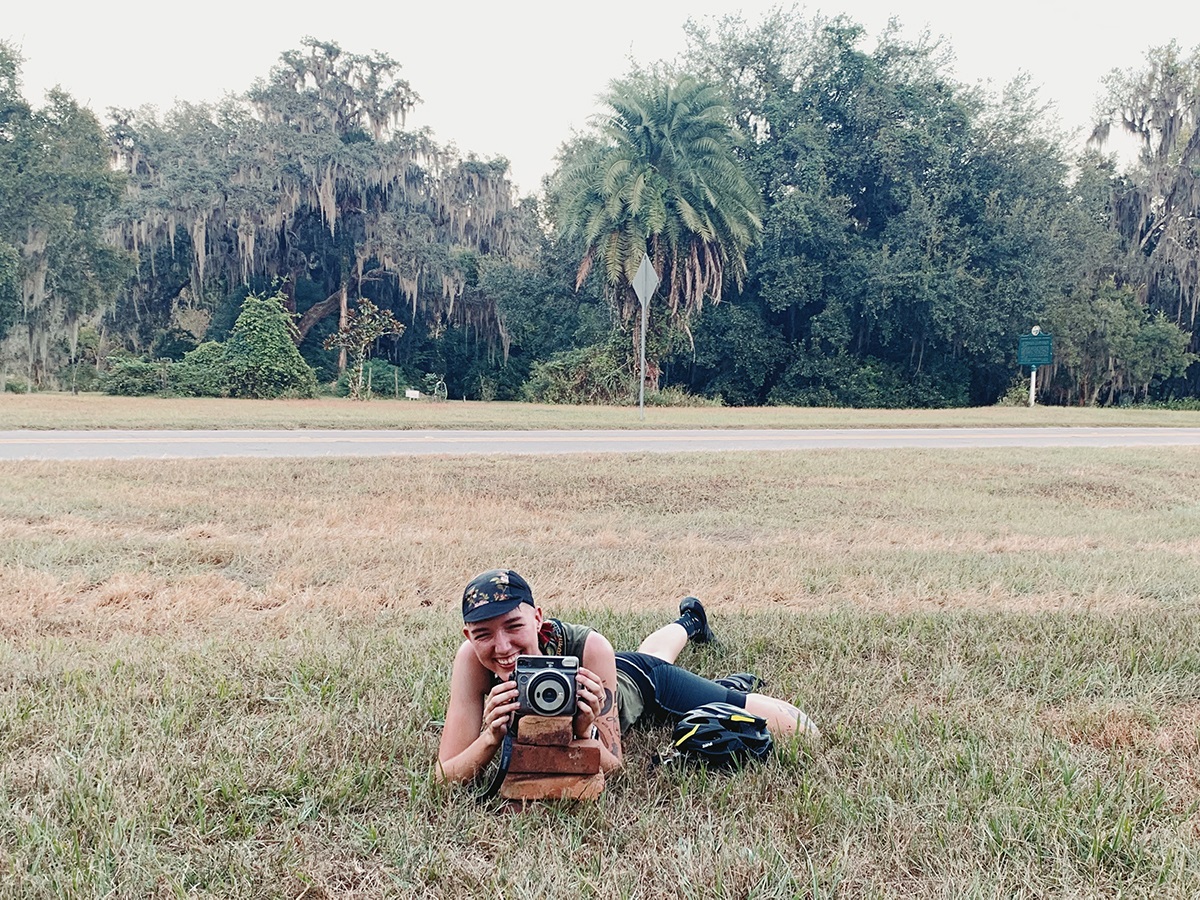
x,y
514,78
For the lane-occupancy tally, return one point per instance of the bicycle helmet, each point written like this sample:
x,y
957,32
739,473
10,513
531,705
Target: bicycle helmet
x,y
721,734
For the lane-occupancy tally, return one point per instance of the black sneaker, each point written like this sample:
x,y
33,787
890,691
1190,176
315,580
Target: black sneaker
x,y
692,609
746,682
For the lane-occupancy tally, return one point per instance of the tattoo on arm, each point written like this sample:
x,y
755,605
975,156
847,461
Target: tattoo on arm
x,y
607,706
788,709
614,729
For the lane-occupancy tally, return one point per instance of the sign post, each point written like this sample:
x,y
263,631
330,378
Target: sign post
x,y
1033,350
644,283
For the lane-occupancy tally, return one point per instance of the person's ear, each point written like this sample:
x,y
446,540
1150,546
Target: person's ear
x,y
537,616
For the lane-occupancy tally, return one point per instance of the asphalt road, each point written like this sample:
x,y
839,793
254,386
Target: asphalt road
x,y
66,445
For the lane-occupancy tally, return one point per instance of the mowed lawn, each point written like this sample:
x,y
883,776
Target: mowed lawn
x,y
226,678
92,411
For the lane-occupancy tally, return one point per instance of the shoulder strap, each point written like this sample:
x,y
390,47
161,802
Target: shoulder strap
x,y
506,749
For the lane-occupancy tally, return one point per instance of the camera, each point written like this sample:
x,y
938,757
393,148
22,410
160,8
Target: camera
x,y
546,685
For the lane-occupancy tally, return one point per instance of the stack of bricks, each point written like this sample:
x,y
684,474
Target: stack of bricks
x,y
550,763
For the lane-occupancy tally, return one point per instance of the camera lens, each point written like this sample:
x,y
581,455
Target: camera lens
x,y
549,694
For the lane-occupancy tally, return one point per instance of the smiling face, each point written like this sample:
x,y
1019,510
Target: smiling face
x,y
498,641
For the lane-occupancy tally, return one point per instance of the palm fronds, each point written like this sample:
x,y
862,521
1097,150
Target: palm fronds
x,y
661,176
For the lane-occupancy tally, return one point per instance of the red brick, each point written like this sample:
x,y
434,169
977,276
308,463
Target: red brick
x,y
552,787
579,758
545,731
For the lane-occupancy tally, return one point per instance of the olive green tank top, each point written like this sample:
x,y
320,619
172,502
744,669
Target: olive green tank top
x,y
559,638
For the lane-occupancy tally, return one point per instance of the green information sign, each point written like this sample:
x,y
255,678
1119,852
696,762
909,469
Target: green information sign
x,y
1035,350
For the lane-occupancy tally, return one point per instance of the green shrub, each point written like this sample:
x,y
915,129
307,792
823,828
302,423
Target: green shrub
x,y
677,396
261,357
201,372
487,389
869,383
589,375
1183,403
16,386
1017,393
84,377
134,377
380,379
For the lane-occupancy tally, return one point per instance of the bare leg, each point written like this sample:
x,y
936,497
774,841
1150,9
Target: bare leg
x,y
666,642
783,719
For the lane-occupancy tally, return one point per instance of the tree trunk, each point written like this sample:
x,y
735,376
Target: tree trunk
x,y
29,366
316,313
343,313
73,343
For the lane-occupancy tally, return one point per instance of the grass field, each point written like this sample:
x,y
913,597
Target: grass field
x,y
224,678
88,411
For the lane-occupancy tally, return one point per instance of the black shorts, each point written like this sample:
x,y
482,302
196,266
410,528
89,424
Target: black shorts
x,y
669,691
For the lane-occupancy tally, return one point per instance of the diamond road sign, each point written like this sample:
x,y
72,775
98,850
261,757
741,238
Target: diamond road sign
x,y
645,281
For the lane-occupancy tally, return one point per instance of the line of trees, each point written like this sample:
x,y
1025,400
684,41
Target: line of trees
x,y
834,220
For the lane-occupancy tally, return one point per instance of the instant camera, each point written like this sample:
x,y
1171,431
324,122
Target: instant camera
x,y
546,685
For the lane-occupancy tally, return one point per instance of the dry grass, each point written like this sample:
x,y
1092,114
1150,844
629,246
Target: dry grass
x,y
88,411
223,678
1013,529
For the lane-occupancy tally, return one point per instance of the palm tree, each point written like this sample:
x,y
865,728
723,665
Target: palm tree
x,y
660,175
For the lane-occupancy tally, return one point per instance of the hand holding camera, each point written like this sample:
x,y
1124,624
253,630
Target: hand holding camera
x,y
559,686
498,708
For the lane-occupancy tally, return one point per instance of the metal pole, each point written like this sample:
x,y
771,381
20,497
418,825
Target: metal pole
x,y
1032,386
642,380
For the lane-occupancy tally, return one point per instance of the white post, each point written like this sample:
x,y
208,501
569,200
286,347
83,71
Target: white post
x,y
642,380
1032,386
644,283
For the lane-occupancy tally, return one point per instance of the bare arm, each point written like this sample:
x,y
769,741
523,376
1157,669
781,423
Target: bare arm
x,y
476,718
599,707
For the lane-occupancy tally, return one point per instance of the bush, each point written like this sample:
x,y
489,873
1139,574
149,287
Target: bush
x,y
261,358
134,377
869,383
16,386
80,377
1017,393
380,379
201,372
589,375
677,396
1183,403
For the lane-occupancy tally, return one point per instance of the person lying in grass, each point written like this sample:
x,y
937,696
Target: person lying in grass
x,y
614,690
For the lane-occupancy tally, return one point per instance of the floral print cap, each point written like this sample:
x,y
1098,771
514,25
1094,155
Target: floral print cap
x,y
493,593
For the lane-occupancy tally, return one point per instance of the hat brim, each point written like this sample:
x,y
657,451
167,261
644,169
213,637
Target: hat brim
x,y
490,610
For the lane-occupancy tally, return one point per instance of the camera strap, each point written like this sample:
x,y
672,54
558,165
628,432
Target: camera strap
x,y
506,750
